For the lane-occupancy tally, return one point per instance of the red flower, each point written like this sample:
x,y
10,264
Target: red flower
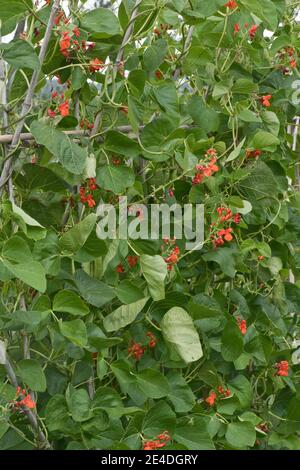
x,y
26,401
58,18
265,100
76,31
132,260
237,218
136,351
152,342
90,200
157,31
236,28
221,390
160,441
95,65
227,393
260,258
116,161
252,31
231,4
210,400
293,63
54,94
92,184
120,268
242,324
64,108
51,113
65,44
158,75
253,153
282,368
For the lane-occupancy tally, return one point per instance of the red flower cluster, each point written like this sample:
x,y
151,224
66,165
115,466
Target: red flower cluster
x,y
282,368
120,268
212,397
231,4
265,100
224,234
242,324
253,153
172,258
26,401
96,64
137,349
57,107
252,32
288,60
206,170
87,198
152,339
160,441
85,124
132,260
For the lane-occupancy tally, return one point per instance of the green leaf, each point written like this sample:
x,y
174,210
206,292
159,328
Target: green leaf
x,y
152,383
70,155
193,434
244,86
79,405
154,269
121,144
11,8
154,55
101,22
225,259
128,293
205,117
236,152
32,374
69,302
123,315
115,178
268,13
179,331
166,95
159,418
240,435
74,331
17,259
180,393
20,54
76,237
265,141
241,387
232,342
95,292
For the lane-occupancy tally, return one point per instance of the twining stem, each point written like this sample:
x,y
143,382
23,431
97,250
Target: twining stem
x,y
7,168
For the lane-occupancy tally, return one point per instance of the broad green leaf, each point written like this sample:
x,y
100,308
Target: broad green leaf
x,y
69,302
205,117
32,374
159,418
179,331
74,331
95,292
152,383
115,178
240,435
32,273
20,54
101,22
265,141
11,8
79,405
193,434
123,315
241,387
127,292
154,55
154,269
76,237
225,259
180,393
232,341
71,155
236,152
121,144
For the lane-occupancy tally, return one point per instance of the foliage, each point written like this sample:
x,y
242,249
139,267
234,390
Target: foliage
x,y
131,344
